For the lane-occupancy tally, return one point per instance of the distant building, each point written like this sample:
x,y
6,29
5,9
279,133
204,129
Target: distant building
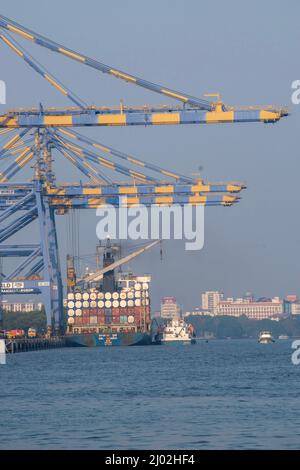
x,y
169,308
255,310
295,308
21,307
291,305
197,311
249,296
291,298
211,299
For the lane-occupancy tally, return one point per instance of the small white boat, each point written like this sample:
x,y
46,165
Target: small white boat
x,y
177,331
283,337
265,337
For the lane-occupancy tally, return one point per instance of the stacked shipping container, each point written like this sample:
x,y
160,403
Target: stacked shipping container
x,y
127,308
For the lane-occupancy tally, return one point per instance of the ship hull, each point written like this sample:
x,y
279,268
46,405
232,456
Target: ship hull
x,y
178,341
90,340
266,341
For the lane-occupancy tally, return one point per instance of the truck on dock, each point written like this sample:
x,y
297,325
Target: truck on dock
x,y
13,334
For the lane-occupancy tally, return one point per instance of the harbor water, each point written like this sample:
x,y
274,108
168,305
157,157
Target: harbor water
x,y
221,394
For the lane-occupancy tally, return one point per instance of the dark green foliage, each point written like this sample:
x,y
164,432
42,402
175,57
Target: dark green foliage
x,y
24,320
242,327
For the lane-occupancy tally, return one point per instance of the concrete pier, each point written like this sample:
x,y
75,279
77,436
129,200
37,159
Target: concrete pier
x,y
34,344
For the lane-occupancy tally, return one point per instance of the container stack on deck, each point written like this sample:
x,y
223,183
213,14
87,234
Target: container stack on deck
x,y
125,309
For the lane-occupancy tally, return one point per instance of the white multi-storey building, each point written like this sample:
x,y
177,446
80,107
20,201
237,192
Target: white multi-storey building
x,y
256,310
295,308
211,299
169,308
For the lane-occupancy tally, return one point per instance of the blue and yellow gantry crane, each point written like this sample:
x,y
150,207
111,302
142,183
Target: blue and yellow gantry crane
x,y
35,135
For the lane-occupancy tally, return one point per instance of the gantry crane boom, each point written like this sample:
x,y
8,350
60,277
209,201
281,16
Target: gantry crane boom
x,y
195,111
13,195
98,275
30,35
123,156
134,116
41,70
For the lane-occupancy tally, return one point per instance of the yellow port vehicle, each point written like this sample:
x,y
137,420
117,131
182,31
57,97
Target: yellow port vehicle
x,y
17,333
31,333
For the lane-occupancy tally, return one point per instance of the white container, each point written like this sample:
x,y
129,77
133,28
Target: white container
x,y
70,296
71,320
137,286
123,303
138,294
115,295
100,295
137,302
78,296
145,285
71,304
108,304
100,304
107,295
130,294
130,303
123,295
115,303
85,296
93,296
93,304
130,319
78,312
85,304
71,312
78,304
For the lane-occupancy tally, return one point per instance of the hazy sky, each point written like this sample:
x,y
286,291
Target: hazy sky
x,y
247,51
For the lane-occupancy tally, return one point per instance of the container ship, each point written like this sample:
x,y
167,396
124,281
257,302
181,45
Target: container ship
x,y
105,308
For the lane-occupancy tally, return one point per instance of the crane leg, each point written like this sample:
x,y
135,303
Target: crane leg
x,y
52,290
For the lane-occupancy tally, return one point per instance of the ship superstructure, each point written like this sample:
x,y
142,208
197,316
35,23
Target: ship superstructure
x,y
176,331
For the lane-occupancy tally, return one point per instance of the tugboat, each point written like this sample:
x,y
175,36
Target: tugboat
x,y
177,331
265,337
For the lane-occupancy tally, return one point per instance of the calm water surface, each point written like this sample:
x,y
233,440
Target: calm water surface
x,y
222,394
